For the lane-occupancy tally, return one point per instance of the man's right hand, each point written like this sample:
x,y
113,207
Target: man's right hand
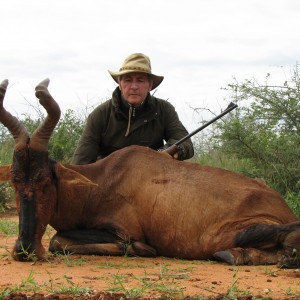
x,y
175,156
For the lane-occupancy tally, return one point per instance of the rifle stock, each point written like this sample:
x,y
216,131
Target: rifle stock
x,y
173,149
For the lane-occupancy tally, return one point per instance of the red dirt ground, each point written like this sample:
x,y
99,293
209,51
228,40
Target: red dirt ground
x,y
95,277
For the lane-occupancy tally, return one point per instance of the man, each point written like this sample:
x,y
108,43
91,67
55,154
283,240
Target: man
x,y
132,117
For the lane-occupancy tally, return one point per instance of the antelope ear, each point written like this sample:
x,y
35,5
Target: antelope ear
x,y
71,177
5,173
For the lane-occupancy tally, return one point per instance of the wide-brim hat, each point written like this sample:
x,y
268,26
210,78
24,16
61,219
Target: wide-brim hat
x,y
140,63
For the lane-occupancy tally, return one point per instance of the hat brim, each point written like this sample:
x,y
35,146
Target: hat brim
x,y
156,78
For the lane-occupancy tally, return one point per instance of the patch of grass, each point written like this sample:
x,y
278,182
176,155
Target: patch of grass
x,y
178,273
291,292
119,285
27,284
234,291
8,227
6,254
70,260
27,255
270,271
4,293
73,289
166,282
53,285
169,289
126,264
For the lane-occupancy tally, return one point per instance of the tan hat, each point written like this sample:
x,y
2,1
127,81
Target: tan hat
x,y
137,62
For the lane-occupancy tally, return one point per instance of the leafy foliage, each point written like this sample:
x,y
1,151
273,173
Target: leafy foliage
x,y
66,135
265,133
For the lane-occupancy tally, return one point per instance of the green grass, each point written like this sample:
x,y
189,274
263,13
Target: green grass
x,y
70,261
166,287
233,291
8,227
61,285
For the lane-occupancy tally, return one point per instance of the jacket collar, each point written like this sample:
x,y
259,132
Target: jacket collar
x,y
121,105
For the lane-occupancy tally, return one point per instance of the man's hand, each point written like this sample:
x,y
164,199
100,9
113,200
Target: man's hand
x,y
175,156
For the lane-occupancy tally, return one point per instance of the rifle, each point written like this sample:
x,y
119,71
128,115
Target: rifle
x,y
173,149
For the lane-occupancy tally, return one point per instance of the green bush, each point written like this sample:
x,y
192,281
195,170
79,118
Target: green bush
x,y
6,195
65,137
293,200
261,139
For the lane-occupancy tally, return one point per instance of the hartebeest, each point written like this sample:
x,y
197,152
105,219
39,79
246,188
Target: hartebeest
x,y
140,202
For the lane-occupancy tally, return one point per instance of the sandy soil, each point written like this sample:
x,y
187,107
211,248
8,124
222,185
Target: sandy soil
x,y
94,277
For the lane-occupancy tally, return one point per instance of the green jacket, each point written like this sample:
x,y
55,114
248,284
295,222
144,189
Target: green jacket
x,y
108,128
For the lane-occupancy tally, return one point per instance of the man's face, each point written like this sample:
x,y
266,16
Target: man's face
x,y
135,87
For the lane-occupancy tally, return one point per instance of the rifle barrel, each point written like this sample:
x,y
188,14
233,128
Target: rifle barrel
x,y
230,107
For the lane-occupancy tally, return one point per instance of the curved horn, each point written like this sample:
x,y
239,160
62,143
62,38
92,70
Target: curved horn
x,y
15,127
40,137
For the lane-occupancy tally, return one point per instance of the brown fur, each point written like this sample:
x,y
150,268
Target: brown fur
x,y
182,209
145,202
